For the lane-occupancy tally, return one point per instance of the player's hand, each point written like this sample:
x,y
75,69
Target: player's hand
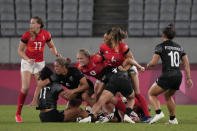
x,y
121,68
69,94
58,55
142,69
32,104
189,83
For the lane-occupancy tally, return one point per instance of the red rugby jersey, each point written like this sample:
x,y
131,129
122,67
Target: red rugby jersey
x,y
94,67
35,48
113,57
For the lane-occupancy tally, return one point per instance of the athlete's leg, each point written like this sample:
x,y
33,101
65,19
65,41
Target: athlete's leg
x,y
25,79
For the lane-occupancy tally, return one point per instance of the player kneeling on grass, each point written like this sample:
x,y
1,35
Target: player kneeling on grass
x,y
47,102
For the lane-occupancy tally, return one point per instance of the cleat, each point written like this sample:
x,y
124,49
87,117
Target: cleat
x,y
78,119
18,118
172,121
86,120
104,119
128,119
157,117
146,119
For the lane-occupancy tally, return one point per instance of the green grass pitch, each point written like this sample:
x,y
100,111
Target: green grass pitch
x,y
186,115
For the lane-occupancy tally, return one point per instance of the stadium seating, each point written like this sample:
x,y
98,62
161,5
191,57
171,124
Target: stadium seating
x,y
182,20
193,27
151,17
54,19
85,17
39,8
7,18
22,16
135,25
70,14
76,17
167,12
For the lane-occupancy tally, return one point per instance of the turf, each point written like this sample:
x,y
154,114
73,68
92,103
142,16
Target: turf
x,y
187,116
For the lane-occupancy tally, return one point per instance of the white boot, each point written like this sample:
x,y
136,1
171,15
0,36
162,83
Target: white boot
x,y
157,117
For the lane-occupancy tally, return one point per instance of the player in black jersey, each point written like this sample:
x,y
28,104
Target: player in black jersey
x,y
47,102
171,55
113,80
69,77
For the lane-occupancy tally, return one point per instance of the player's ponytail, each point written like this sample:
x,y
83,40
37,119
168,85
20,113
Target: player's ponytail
x,y
169,31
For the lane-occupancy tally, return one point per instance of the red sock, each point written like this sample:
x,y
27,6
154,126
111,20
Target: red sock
x,y
120,105
137,104
144,105
21,101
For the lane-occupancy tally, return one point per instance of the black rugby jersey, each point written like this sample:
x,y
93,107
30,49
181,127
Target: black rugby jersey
x,y
71,80
48,96
171,54
109,72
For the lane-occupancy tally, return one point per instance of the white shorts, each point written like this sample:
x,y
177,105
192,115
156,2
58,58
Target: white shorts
x,y
133,69
35,68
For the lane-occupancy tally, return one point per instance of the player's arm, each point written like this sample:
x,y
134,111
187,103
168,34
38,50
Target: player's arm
x,y
129,62
21,52
129,54
100,86
62,94
83,85
131,59
187,71
154,61
41,84
53,49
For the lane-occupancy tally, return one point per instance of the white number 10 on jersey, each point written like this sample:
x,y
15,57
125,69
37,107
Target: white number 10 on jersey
x,y
174,58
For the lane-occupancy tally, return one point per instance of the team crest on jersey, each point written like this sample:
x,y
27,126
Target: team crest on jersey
x,y
70,78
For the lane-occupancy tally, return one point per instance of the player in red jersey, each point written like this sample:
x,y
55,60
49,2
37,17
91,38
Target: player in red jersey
x,y
90,65
115,52
93,65
31,48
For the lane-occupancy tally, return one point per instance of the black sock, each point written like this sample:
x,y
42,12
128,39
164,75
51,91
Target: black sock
x,y
172,117
128,111
100,115
158,111
91,115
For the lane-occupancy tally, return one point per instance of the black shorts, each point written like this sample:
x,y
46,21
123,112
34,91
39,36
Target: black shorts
x,y
119,84
52,116
170,80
